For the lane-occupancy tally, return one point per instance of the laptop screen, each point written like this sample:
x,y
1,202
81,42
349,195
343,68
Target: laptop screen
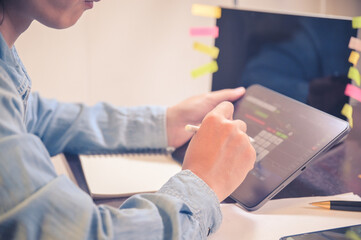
x,y
302,57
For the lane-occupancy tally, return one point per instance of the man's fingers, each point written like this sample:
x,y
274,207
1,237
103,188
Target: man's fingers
x,y
228,94
241,125
224,109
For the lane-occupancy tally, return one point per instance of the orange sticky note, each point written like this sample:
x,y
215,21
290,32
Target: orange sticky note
x,y
356,22
207,68
354,74
209,50
347,112
355,44
206,11
354,57
353,91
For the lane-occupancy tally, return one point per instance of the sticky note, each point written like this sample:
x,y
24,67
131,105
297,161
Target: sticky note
x,y
206,11
356,22
353,91
347,112
207,68
355,44
209,50
204,31
354,74
354,57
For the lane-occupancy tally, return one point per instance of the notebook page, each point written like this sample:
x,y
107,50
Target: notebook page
x,y
124,175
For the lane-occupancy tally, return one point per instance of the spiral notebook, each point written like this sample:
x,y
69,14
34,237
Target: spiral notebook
x,y
121,175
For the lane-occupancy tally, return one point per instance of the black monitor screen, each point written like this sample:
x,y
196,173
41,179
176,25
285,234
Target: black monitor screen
x,y
302,57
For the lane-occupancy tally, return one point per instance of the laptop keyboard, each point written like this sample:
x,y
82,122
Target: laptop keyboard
x,y
264,143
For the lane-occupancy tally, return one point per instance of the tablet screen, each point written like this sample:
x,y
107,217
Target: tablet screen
x,y
346,233
288,135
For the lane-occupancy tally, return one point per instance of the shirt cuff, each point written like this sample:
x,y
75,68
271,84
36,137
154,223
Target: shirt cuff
x,y
198,196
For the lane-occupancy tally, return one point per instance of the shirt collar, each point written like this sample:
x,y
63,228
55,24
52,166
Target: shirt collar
x,y
15,69
6,53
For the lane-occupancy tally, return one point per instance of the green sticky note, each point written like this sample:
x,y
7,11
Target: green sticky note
x,y
356,22
207,68
354,74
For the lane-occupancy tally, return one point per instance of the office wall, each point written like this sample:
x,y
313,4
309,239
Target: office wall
x,y
136,52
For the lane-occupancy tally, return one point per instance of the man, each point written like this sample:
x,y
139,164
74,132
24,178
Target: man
x,y
35,203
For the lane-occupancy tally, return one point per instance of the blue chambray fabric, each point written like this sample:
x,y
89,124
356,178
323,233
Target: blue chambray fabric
x,y
35,203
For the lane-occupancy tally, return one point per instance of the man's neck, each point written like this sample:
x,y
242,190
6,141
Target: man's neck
x,y
13,26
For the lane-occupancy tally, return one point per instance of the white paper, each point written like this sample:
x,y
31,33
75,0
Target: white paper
x,y
283,217
124,175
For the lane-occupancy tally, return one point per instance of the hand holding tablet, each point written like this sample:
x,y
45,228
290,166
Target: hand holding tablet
x,y
288,136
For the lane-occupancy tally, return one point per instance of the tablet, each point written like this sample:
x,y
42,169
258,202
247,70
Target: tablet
x,y
349,232
288,136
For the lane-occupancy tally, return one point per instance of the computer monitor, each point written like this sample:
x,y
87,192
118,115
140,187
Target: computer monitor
x,y
302,57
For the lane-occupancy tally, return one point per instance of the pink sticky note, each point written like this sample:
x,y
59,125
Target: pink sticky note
x,y
355,44
204,31
353,91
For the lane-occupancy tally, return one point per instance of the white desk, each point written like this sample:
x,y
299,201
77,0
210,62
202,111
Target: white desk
x,y
283,217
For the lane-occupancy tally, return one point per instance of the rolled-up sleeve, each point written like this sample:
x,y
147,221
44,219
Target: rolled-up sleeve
x,y
77,128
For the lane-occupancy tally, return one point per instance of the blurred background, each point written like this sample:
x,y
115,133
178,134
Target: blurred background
x,y
137,52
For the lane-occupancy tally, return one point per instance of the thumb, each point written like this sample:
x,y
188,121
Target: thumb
x,y
224,109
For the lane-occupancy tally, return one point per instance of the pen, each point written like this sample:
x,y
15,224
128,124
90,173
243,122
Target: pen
x,y
193,128
339,205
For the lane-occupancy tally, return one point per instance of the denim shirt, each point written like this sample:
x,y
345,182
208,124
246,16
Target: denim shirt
x,y
36,203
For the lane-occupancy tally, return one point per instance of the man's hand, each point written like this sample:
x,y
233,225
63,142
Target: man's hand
x,y
220,153
192,111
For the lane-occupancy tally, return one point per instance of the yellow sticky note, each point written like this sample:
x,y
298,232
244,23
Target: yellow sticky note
x,y
207,68
354,57
354,74
209,50
347,112
356,22
206,11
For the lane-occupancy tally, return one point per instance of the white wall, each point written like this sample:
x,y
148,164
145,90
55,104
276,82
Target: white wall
x,y
136,52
